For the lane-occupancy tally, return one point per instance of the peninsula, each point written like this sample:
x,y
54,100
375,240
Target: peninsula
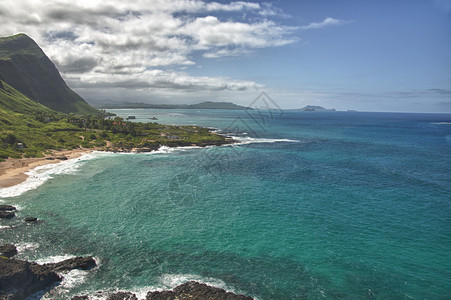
x,y
43,120
202,105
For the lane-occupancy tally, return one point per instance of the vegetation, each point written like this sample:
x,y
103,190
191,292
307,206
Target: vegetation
x,y
29,129
26,67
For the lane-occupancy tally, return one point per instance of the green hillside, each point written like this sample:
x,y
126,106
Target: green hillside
x,y
24,66
13,101
29,129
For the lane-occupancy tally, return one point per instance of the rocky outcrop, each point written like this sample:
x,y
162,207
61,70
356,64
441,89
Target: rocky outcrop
x,y
122,296
7,211
82,263
8,250
7,208
7,214
30,219
188,291
195,290
19,279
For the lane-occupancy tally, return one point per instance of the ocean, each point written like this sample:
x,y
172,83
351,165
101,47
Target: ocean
x,y
309,205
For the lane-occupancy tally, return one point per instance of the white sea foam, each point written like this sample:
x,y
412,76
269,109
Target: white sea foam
x,y
21,247
170,281
39,175
173,280
54,259
70,280
164,149
250,140
73,278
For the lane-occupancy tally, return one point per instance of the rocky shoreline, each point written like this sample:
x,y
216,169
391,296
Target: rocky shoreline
x,y
20,279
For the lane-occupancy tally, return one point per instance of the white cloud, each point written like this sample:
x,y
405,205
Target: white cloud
x,y
325,23
211,32
133,44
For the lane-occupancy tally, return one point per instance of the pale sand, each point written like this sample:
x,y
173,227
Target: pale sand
x,y
12,171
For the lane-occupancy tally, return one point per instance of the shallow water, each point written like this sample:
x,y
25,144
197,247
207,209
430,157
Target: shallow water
x,y
308,206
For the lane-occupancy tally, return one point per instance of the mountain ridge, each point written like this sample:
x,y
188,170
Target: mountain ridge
x,y
24,66
202,105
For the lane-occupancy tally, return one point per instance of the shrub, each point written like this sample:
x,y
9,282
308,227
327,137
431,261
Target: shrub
x,y
103,135
10,139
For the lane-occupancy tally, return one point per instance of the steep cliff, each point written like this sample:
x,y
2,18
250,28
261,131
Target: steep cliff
x,y
24,66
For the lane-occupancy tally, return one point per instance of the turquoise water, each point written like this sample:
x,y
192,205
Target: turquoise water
x,y
308,206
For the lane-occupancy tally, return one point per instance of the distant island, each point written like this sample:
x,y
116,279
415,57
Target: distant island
x,y
202,105
312,108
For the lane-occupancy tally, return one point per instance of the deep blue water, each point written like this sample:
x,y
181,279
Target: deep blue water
x,y
333,205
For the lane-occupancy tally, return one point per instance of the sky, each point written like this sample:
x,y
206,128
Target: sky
x,y
385,55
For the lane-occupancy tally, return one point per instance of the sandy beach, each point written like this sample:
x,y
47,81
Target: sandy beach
x,y
12,171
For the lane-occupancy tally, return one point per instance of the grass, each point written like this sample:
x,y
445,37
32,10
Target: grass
x,y
29,129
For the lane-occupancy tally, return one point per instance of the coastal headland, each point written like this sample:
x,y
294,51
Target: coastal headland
x,y
20,279
42,122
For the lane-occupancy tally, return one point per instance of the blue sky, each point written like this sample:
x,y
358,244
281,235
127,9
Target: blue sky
x,y
364,55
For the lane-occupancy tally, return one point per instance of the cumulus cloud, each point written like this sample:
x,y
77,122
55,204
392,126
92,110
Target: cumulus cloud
x,y
145,44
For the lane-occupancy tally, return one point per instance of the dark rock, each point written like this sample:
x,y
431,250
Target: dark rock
x,y
80,298
163,295
57,157
122,296
8,250
7,207
83,263
7,214
195,290
19,279
30,219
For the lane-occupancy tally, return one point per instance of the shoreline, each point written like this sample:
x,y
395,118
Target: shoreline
x,y
13,170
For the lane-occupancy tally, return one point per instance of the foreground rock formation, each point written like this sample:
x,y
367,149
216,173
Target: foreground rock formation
x,y
81,263
7,211
20,279
195,290
188,291
8,250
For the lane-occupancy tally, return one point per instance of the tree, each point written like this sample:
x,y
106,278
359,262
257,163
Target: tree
x,y
10,139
